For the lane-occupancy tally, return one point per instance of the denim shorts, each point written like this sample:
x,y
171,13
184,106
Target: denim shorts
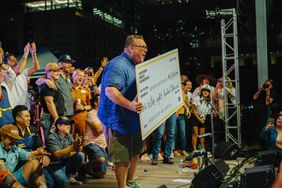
x,y
123,147
94,151
20,177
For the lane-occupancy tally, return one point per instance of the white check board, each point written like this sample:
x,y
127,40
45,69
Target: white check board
x,y
159,90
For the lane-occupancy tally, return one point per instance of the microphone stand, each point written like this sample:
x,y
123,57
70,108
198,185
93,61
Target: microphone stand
x,y
212,129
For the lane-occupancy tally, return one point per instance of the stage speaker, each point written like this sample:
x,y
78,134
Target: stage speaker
x,y
226,150
211,176
258,177
268,157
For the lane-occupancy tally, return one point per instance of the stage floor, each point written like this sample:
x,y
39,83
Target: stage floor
x,y
154,176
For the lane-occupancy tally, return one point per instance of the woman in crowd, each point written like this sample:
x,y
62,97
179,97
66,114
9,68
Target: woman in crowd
x,y
272,134
81,98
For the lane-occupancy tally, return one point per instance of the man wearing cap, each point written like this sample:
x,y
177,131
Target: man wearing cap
x,y
51,99
67,157
64,83
11,155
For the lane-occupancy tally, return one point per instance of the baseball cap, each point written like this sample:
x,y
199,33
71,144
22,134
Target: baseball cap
x,y
206,87
66,58
64,121
11,131
52,66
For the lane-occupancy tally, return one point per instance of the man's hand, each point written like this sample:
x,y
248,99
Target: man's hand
x,y
77,143
45,161
26,49
104,62
50,84
136,106
42,151
32,48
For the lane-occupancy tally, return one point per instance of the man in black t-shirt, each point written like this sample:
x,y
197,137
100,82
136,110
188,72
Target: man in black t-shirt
x,y
51,99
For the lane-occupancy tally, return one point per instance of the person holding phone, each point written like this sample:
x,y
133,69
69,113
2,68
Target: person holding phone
x,y
272,134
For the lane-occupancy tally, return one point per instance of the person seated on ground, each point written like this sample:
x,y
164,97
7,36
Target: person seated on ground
x,y
11,155
67,157
29,134
94,144
272,134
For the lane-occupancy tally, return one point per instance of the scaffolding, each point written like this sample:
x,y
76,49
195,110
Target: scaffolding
x,y
230,69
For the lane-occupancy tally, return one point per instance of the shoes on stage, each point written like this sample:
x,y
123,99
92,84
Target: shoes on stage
x,y
168,161
133,184
154,162
184,153
176,153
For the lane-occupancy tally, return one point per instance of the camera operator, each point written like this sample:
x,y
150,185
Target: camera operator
x,y
264,99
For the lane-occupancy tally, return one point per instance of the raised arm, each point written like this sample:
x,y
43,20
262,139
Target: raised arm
x,y
35,64
97,74
19,68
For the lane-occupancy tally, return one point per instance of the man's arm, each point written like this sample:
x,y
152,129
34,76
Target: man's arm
x,y
10,76
49,100
35,64
49,83
19,68
97,74
95,125
115,96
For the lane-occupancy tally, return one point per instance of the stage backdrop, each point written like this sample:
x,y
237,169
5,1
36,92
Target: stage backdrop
x,y
159,89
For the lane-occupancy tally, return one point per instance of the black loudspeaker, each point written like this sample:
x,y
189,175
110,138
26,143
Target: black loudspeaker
x,y
268,157
211,176
226,150
258,177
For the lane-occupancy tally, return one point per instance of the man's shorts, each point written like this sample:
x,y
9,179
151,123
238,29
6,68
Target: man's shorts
x,y
20,177
124,147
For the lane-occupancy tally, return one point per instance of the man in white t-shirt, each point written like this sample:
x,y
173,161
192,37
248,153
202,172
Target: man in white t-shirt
x,y
19,91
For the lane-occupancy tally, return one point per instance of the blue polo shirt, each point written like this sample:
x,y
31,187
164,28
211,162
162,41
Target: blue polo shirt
x,y
119,73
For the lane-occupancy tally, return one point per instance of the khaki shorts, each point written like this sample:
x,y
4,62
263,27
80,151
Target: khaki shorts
x,y
123,147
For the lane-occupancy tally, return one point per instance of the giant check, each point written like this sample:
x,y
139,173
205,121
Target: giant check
x,y
159,90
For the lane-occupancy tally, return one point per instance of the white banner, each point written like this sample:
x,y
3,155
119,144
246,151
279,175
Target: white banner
x,y
159,90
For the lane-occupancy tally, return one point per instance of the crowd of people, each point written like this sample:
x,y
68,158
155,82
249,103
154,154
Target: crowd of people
x,y
77,128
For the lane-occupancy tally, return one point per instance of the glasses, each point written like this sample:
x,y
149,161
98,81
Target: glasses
x,y
140,46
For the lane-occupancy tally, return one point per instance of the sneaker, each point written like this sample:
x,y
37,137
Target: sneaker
x,y
184,153
171,155
74,182
168,161
176,153
160,157
145,157
154,162
133,184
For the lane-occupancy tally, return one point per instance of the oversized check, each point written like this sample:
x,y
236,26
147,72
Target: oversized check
x,y
159,90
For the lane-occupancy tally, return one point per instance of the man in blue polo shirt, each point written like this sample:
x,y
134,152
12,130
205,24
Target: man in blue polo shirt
x,y
119,108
